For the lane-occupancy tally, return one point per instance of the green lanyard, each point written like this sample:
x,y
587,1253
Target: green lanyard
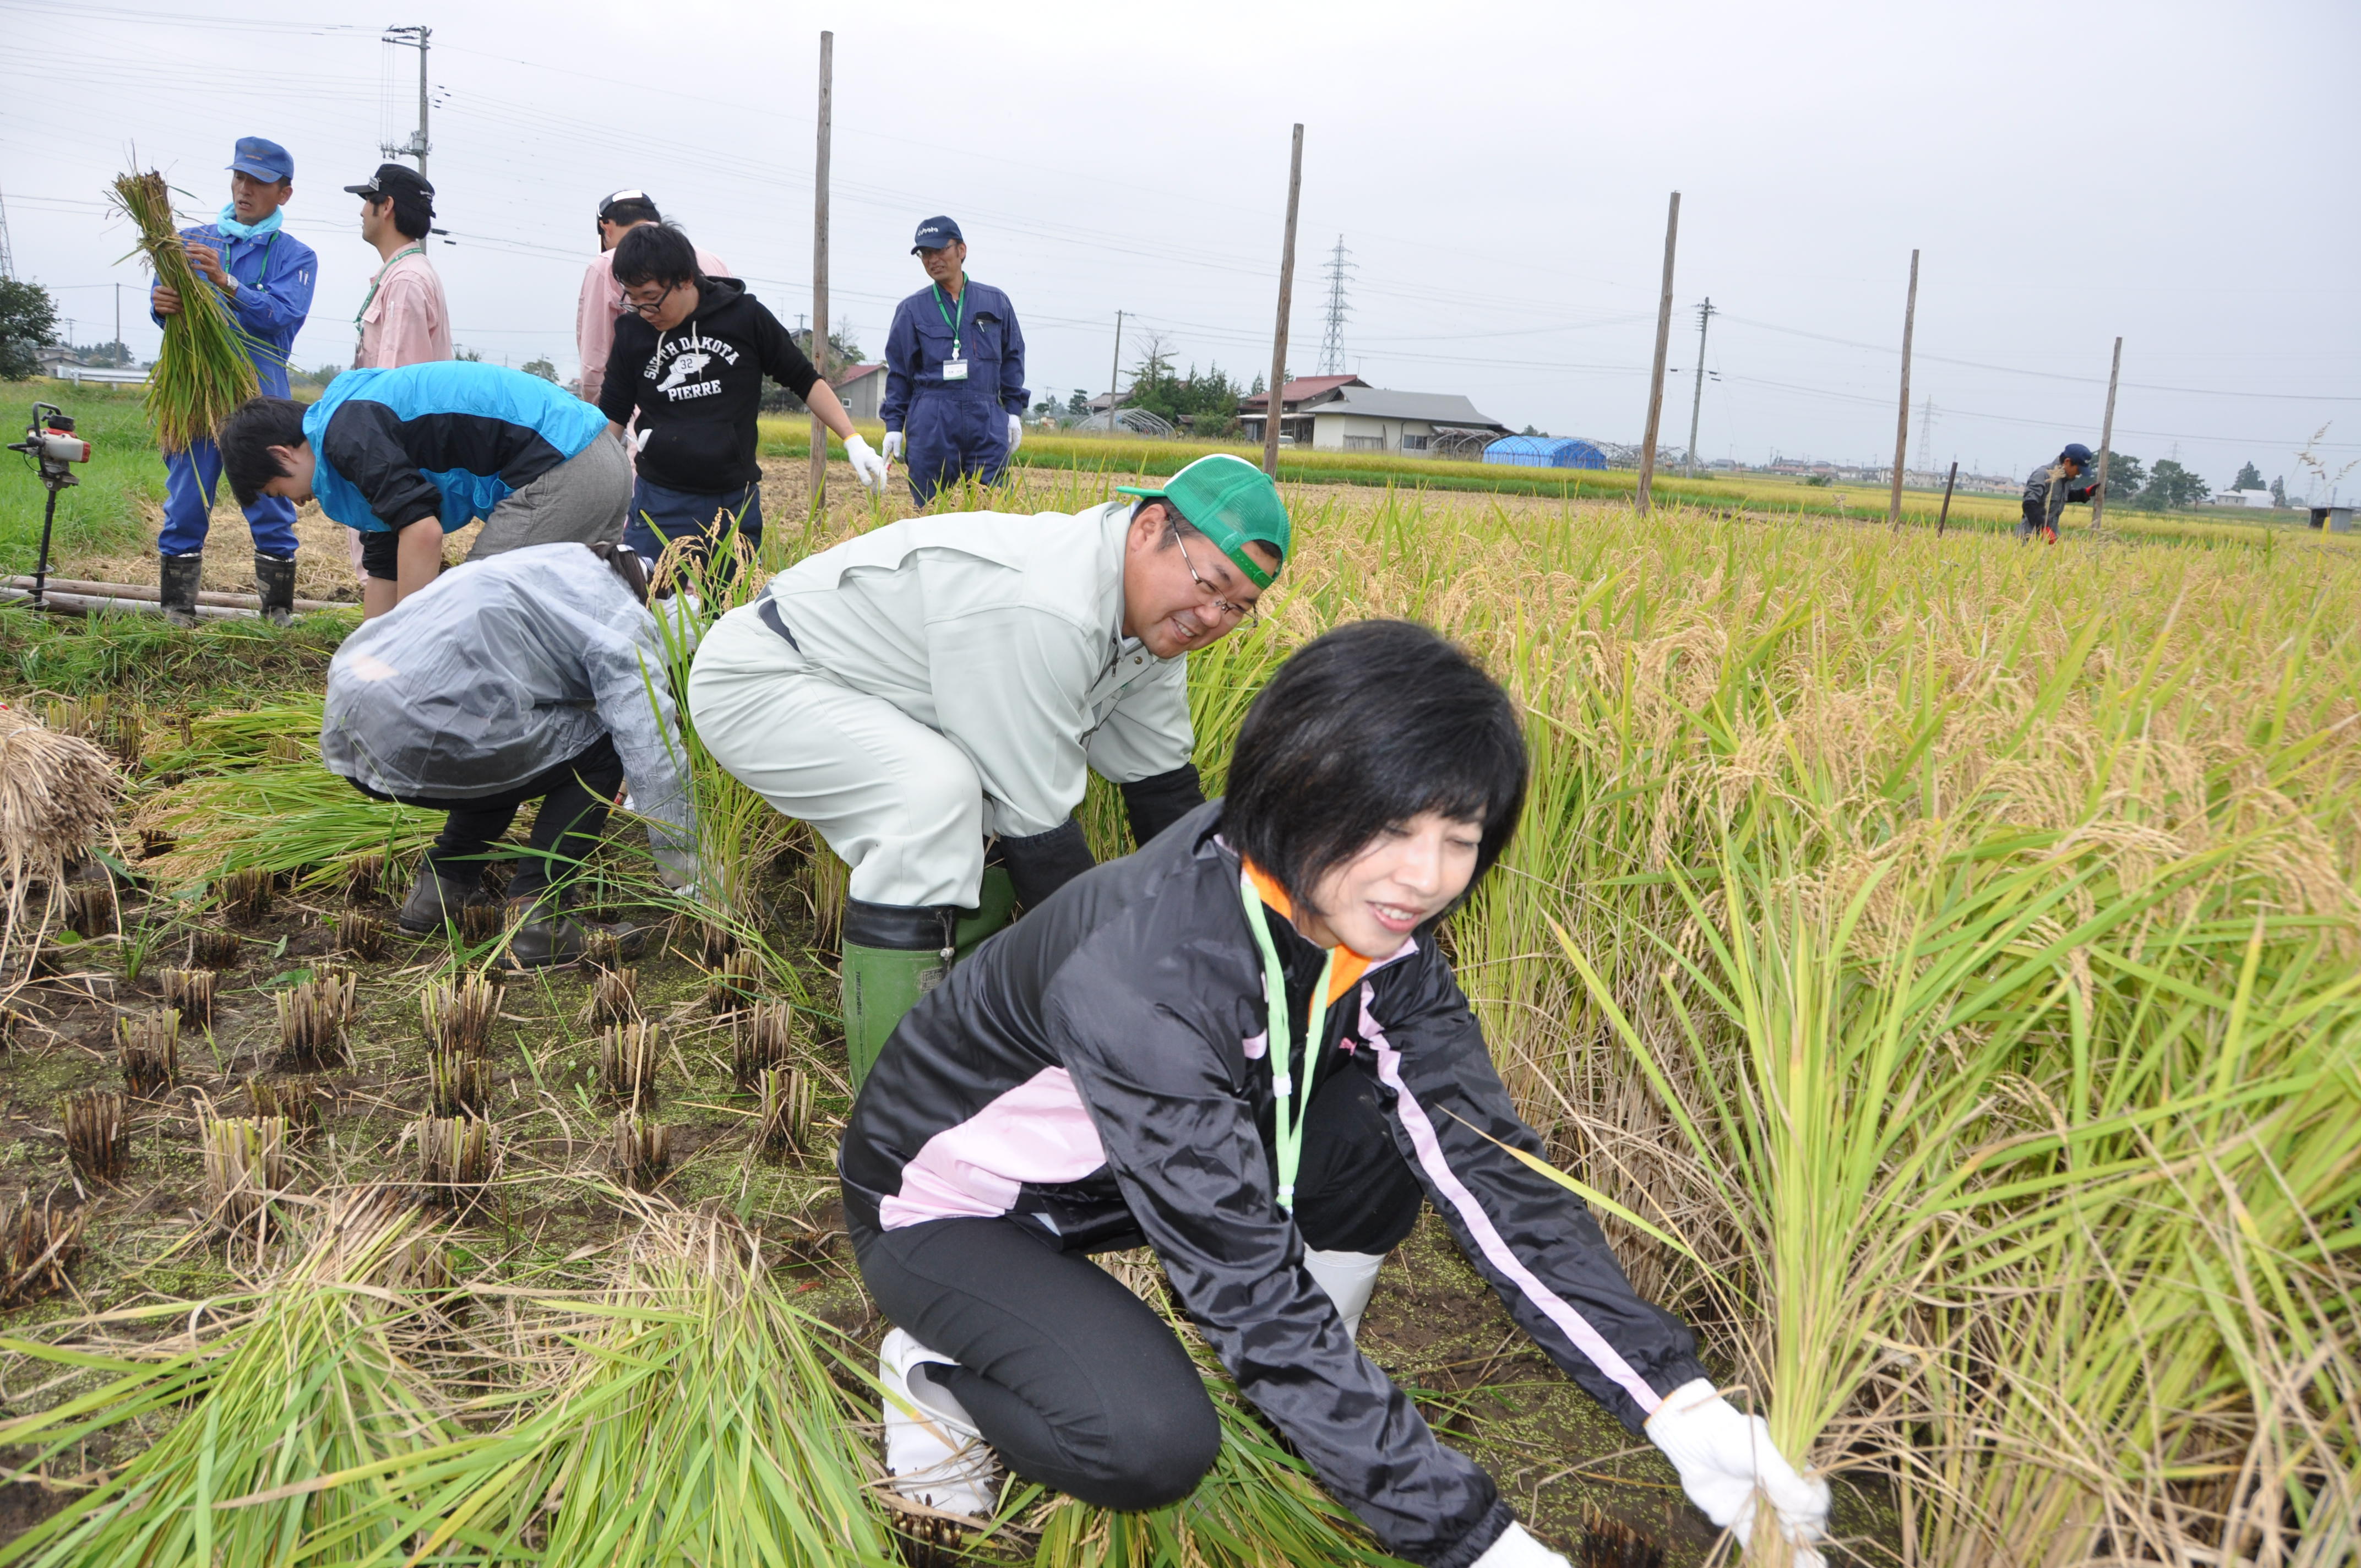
x,y
377,282
951,321
1293,1101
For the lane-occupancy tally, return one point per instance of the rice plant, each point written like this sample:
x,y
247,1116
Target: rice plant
x,y
149,1048
314,1015
457,1014
613,998
297,1102
629,1056
189,993
97,1140
640,1151
361,934
38,1243
784,1128
246,895
735,983
206,366
457,1157
761,1038
213,949
90,909
455,1084
245,1169
57,795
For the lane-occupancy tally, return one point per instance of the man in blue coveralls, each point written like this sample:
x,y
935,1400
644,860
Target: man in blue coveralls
x,y
954,371
266,277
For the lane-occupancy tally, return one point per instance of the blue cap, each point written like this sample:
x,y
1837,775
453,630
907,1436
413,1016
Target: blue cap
x,y
935,234
2076,453
263,160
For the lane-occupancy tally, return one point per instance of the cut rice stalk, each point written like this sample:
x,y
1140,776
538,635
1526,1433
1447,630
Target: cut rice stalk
x,y
37,1245
312,1018
246,1167
457,1016
456,1155
783,1129
628,1058
642,1151
96,1140
763,1038
614,996
189,993
150,1051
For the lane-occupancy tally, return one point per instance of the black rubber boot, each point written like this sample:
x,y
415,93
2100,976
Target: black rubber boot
x,y
542,935
177,578
274,579
436,900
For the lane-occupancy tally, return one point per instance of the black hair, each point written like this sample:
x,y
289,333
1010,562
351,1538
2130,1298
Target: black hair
x,y
412,214
634,209
626,564
1361,730
246,438
656,253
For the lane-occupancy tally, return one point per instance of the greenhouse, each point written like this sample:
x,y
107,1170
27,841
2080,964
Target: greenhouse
x,y
1545,451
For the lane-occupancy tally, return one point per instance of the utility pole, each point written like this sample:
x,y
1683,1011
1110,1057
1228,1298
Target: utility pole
x,y
820,266
1276,407
1641,498
1945,514
1331,346
118,325
1115,372
1902,421
2106,440
1697,401
8,259
1926,432
412,37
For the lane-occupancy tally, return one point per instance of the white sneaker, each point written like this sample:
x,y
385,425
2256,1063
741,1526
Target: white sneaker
x,y
933,1452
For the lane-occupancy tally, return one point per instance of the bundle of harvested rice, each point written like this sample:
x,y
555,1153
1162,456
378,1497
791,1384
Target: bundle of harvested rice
x,y
57,796
206,366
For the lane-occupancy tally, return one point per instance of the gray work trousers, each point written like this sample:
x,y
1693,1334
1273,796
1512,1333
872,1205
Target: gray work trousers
x,y
583,500
897,802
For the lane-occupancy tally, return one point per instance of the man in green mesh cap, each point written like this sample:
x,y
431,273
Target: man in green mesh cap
x,y
931,697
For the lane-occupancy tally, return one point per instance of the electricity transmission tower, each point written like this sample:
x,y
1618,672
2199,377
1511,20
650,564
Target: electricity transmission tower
x,y
1331,346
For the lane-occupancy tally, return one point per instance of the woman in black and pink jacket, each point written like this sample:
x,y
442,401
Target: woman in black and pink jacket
x,y
1243,1046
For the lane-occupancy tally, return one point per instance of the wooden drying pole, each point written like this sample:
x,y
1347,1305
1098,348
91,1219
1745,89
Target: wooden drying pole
x,y
1274,409
1656,378
1115,372
820,266
1945,515
2106,439
1902,424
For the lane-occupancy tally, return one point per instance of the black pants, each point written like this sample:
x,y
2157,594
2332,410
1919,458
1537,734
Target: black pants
x,y
574,797
1075,1380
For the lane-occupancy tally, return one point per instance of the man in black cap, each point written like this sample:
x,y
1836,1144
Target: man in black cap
x,y
2054,487
595,312
954,371
404,318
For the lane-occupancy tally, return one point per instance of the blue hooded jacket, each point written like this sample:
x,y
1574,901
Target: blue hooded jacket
x,y
275,273
453,438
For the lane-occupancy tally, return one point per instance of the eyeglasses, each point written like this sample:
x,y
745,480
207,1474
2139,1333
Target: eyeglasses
x,y
650,307
1247,616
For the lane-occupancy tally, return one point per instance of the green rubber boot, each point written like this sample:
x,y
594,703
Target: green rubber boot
x,y
879,985
995,905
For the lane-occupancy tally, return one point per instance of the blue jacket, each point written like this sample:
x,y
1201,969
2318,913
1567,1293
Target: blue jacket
x,y
920,340
451,438
274,275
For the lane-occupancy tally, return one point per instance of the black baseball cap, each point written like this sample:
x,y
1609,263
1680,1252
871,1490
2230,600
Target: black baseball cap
x,y
396,180
608,204
935,234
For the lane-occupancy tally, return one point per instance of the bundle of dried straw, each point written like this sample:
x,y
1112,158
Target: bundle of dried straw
x,y
57,796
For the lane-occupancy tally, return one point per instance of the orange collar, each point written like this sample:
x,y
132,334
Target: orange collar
x,y
1349,966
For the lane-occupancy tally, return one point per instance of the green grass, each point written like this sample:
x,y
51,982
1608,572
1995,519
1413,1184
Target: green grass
x,y
148,660
100,514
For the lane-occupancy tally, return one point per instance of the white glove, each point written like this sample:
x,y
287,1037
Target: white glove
x,y
893,446
867,465
1015,432
1727,1462
676,868
1515,1549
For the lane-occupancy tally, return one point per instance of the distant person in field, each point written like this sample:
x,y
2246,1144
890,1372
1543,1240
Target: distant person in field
x,y
526,678
954,371
601,304
409,454
265,275
1244,1046
404,318
687,371
2054,487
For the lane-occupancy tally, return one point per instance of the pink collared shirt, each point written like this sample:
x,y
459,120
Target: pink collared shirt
x,y
601,302
406,321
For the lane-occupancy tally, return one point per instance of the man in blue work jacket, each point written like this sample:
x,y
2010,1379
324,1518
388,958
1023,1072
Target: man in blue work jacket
x,y
954,371
265,278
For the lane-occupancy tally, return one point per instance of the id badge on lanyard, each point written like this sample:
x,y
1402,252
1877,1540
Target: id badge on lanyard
x,y
954,369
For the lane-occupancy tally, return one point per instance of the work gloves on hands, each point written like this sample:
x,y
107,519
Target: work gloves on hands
x,y
893,446
867,465
1728,1465
1015,432
1515,1549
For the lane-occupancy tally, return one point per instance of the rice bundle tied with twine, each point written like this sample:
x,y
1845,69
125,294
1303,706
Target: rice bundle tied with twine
x,y
57,796
206,366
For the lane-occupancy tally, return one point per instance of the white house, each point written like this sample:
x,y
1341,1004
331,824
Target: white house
x,y
1410,424
2242,497
860,389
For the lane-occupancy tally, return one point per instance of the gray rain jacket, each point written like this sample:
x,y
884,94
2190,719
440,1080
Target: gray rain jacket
x,y
501,669
1100,1069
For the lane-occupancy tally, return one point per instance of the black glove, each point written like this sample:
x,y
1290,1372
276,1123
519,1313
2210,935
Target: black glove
x,y
1157,803
1042,864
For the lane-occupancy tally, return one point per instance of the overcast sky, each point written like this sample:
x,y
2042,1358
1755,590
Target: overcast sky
x,y
2181,175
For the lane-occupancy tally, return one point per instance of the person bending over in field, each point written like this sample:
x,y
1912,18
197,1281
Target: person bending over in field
x,y
536,675
442,442
1243,1046
2052,488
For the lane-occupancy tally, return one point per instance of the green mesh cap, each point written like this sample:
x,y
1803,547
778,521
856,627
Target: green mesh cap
x,y
1231,502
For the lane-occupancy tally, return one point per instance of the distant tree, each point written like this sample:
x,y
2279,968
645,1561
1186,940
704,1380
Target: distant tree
x,y
1048,405
469,354
29,321
321,376
2278,491
841,349
540,367
1079,404
1528,430
2249,478
2171,487
2125,476
1258,388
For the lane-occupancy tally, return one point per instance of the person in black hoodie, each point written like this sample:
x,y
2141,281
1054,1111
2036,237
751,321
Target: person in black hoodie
x,y
688,361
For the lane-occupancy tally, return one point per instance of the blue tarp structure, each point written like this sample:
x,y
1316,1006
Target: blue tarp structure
x,y
1545,451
